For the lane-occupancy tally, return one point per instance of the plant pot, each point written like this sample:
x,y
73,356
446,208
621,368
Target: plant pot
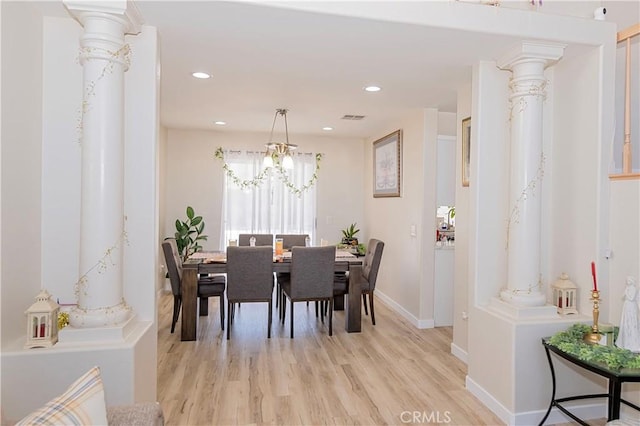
x,y
350,241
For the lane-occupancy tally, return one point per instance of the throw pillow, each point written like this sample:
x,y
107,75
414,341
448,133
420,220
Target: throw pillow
x,y
82,403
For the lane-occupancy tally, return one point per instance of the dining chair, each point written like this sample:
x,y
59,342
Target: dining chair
x,y
288,241
249,279
311,279
370,267
208,286
261,239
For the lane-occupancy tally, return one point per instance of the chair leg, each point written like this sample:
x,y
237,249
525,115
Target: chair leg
x,y
229,315
291,318
364,302
204,306
269,326
222,311
316,305
283,307
330,317
373,315
176,312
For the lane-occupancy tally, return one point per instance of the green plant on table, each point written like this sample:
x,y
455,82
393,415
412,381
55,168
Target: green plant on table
x,y
349,235
189,234
571,341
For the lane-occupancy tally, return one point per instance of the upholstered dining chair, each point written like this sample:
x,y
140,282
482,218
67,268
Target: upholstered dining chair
x,y
208,286
311,279
368,278
249,279
261,239
288,241
370,267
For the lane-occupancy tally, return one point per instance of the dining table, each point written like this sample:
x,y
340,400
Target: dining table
x,y
215,263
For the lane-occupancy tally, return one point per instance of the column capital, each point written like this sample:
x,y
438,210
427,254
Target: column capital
x,y
532,51
125,10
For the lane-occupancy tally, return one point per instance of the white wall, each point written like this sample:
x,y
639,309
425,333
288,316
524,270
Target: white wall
x,y
21,164
463,217
401,280
576,203
141,205
163,283
193,176
61,148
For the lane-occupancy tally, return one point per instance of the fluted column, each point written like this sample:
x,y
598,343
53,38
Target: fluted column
x,y
104,57
527,168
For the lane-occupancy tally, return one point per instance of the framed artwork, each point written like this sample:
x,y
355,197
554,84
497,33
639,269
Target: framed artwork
x,y
387,165
466,147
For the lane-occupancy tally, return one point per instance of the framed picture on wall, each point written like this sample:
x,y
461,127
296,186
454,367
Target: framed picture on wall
x,y
387,165
466,147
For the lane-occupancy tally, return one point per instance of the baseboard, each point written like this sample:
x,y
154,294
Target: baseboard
x,y
585,412
393,305
459,353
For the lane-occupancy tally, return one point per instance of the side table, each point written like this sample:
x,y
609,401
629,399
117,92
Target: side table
x,y
616,379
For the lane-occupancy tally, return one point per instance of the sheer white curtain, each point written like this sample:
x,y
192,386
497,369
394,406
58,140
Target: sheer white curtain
x,y
270,208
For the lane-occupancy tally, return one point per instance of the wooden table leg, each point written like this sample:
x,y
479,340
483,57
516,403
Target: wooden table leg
x,y
353,312
189,292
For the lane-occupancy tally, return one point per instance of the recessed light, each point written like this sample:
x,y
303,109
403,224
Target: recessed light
x,y
201,75
220,123
372,89
327,128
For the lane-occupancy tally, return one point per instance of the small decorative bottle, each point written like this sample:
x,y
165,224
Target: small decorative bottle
x,y
307,241
252,241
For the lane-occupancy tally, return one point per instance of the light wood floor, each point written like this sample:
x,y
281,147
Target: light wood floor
x,y
380,376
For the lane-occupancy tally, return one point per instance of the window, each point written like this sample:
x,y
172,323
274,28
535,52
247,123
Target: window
x,y
270,207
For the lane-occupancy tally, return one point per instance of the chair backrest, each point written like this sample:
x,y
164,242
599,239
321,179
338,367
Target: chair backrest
x,y
249,274
312,272
371,262
261,239
174,264
292,240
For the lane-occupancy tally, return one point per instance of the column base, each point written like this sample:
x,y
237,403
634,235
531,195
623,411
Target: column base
x,y
530,299
519,312
71,335
100,317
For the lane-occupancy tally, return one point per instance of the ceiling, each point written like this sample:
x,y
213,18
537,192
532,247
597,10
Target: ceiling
x,y
262,58
316,65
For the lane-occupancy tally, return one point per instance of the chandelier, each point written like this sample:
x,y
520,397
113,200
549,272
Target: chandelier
x,y
280,151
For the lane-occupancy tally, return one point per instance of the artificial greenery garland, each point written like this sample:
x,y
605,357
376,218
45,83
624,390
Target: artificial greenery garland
x,y
260,177
571,341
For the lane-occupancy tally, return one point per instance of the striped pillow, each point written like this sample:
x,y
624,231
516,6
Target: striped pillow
x,y
83,403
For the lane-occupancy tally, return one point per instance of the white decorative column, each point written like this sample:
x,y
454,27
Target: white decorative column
x,y
528,91
104,57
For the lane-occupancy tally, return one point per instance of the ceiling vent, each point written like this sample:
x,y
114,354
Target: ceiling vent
x,y
352,117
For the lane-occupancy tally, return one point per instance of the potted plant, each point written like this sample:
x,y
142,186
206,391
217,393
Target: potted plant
x,y
349,235
189,234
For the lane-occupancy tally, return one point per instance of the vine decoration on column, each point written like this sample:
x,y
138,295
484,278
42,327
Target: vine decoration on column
x,y
122,55
102,264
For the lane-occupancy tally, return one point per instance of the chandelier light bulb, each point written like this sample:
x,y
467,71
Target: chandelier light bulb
x,y
268,160
287,162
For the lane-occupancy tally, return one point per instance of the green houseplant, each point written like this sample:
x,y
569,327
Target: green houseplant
x,y
349,235
189,234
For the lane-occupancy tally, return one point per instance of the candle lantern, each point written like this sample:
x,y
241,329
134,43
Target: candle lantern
x,y
42,322
564,295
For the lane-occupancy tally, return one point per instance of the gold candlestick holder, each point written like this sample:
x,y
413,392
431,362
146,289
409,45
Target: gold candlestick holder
x,y
595,336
